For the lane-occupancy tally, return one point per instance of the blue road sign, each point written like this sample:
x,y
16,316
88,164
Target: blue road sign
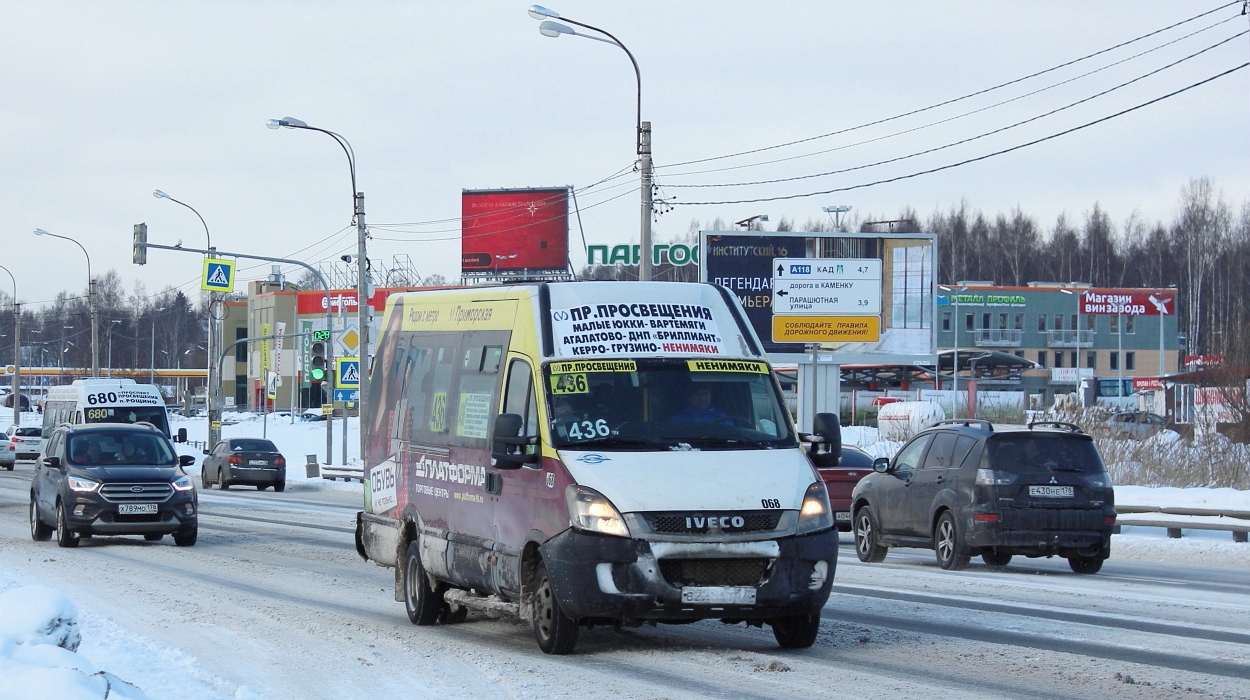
x,y
347,394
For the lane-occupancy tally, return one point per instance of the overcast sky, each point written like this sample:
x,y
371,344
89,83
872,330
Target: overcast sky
x,y
105,100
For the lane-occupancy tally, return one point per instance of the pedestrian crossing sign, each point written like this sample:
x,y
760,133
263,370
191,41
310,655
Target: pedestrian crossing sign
x,y
218,276
347,372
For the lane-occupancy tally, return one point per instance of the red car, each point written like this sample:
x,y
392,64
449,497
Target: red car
x,y
840,481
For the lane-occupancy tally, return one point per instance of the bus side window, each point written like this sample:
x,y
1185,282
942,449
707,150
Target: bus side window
x,y
520,396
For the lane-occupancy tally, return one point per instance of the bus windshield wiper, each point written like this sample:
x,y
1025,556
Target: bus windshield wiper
x,y
614,441
716,439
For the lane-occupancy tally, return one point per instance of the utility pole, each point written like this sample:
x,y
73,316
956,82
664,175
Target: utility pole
x,y
364,312
644,160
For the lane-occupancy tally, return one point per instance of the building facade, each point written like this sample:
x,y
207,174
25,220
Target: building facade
x,y
1069,331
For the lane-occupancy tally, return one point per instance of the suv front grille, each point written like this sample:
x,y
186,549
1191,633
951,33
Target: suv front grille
x,y
714,572
136,493
752,521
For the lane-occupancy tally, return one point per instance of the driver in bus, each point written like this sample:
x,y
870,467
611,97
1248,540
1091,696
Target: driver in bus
x,y
698,407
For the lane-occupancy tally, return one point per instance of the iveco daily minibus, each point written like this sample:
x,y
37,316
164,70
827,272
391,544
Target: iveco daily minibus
x,y
589,453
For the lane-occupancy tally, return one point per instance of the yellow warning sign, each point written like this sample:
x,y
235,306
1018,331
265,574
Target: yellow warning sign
x,y
826,329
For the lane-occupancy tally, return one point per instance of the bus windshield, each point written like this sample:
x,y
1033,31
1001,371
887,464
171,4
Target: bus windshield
x,y
156,415
666,403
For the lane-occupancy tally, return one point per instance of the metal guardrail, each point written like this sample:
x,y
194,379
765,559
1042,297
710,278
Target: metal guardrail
x,y
1240,530
331,472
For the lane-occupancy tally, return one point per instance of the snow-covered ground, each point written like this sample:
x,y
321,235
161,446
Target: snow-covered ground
x,y
50,649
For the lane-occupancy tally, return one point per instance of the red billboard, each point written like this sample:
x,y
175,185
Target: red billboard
x,y
314,302
509,231
1128,303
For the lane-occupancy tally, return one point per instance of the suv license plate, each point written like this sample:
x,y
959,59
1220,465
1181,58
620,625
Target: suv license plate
x,y
842,515
258,462
1051,491
137,508
718,595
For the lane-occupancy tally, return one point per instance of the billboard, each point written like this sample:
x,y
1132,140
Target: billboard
x,y
865,298
1128,303
514,232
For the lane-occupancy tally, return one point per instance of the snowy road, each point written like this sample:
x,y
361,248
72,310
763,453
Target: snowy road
x,y
273,602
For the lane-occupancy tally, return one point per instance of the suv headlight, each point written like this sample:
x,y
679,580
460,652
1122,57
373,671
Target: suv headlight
x,y
815,514
589,510
183,483
77,483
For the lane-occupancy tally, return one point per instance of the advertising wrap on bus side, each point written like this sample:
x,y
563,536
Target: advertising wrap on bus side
x,y
582,453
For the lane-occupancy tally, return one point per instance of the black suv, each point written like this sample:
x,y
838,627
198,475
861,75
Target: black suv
x,y
112,479
966,487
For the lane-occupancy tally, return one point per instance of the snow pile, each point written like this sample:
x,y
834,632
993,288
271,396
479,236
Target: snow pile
x,y
39,638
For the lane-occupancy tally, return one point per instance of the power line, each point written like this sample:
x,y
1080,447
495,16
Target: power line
x,y
970,160
960,142
952,118
957,99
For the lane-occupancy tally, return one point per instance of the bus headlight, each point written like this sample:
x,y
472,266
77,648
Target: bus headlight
x,y
815,514
589,510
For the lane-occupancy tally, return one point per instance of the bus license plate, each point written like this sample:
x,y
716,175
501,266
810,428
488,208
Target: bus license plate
x,y
137,508
1051,491
718,595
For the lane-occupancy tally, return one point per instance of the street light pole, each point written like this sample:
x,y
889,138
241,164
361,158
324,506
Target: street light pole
x,y
95,332
362,266
955,363
214,331
17,352
112,323
645,168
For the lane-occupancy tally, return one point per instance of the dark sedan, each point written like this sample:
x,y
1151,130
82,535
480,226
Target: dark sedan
x,y
252,461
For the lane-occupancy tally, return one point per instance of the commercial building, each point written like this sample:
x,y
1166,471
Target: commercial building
x,y
1067,331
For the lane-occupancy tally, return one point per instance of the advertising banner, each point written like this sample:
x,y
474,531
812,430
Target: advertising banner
x,y
507,231
744,266
1128,303
314,302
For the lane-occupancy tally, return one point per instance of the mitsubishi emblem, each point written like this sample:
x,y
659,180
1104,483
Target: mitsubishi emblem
x,y
1053,480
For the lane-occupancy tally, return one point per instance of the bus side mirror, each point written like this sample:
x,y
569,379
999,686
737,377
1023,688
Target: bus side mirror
x,y
182,435
508,445
827,449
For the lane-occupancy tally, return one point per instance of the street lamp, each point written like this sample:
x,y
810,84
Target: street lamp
x,y
362,268
955,364
1077,335
95,345
836,212
554,30
748,222
17,352
214,330
500,258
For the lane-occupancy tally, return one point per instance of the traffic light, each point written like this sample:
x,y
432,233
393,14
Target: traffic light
x,y
316,372
141,242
